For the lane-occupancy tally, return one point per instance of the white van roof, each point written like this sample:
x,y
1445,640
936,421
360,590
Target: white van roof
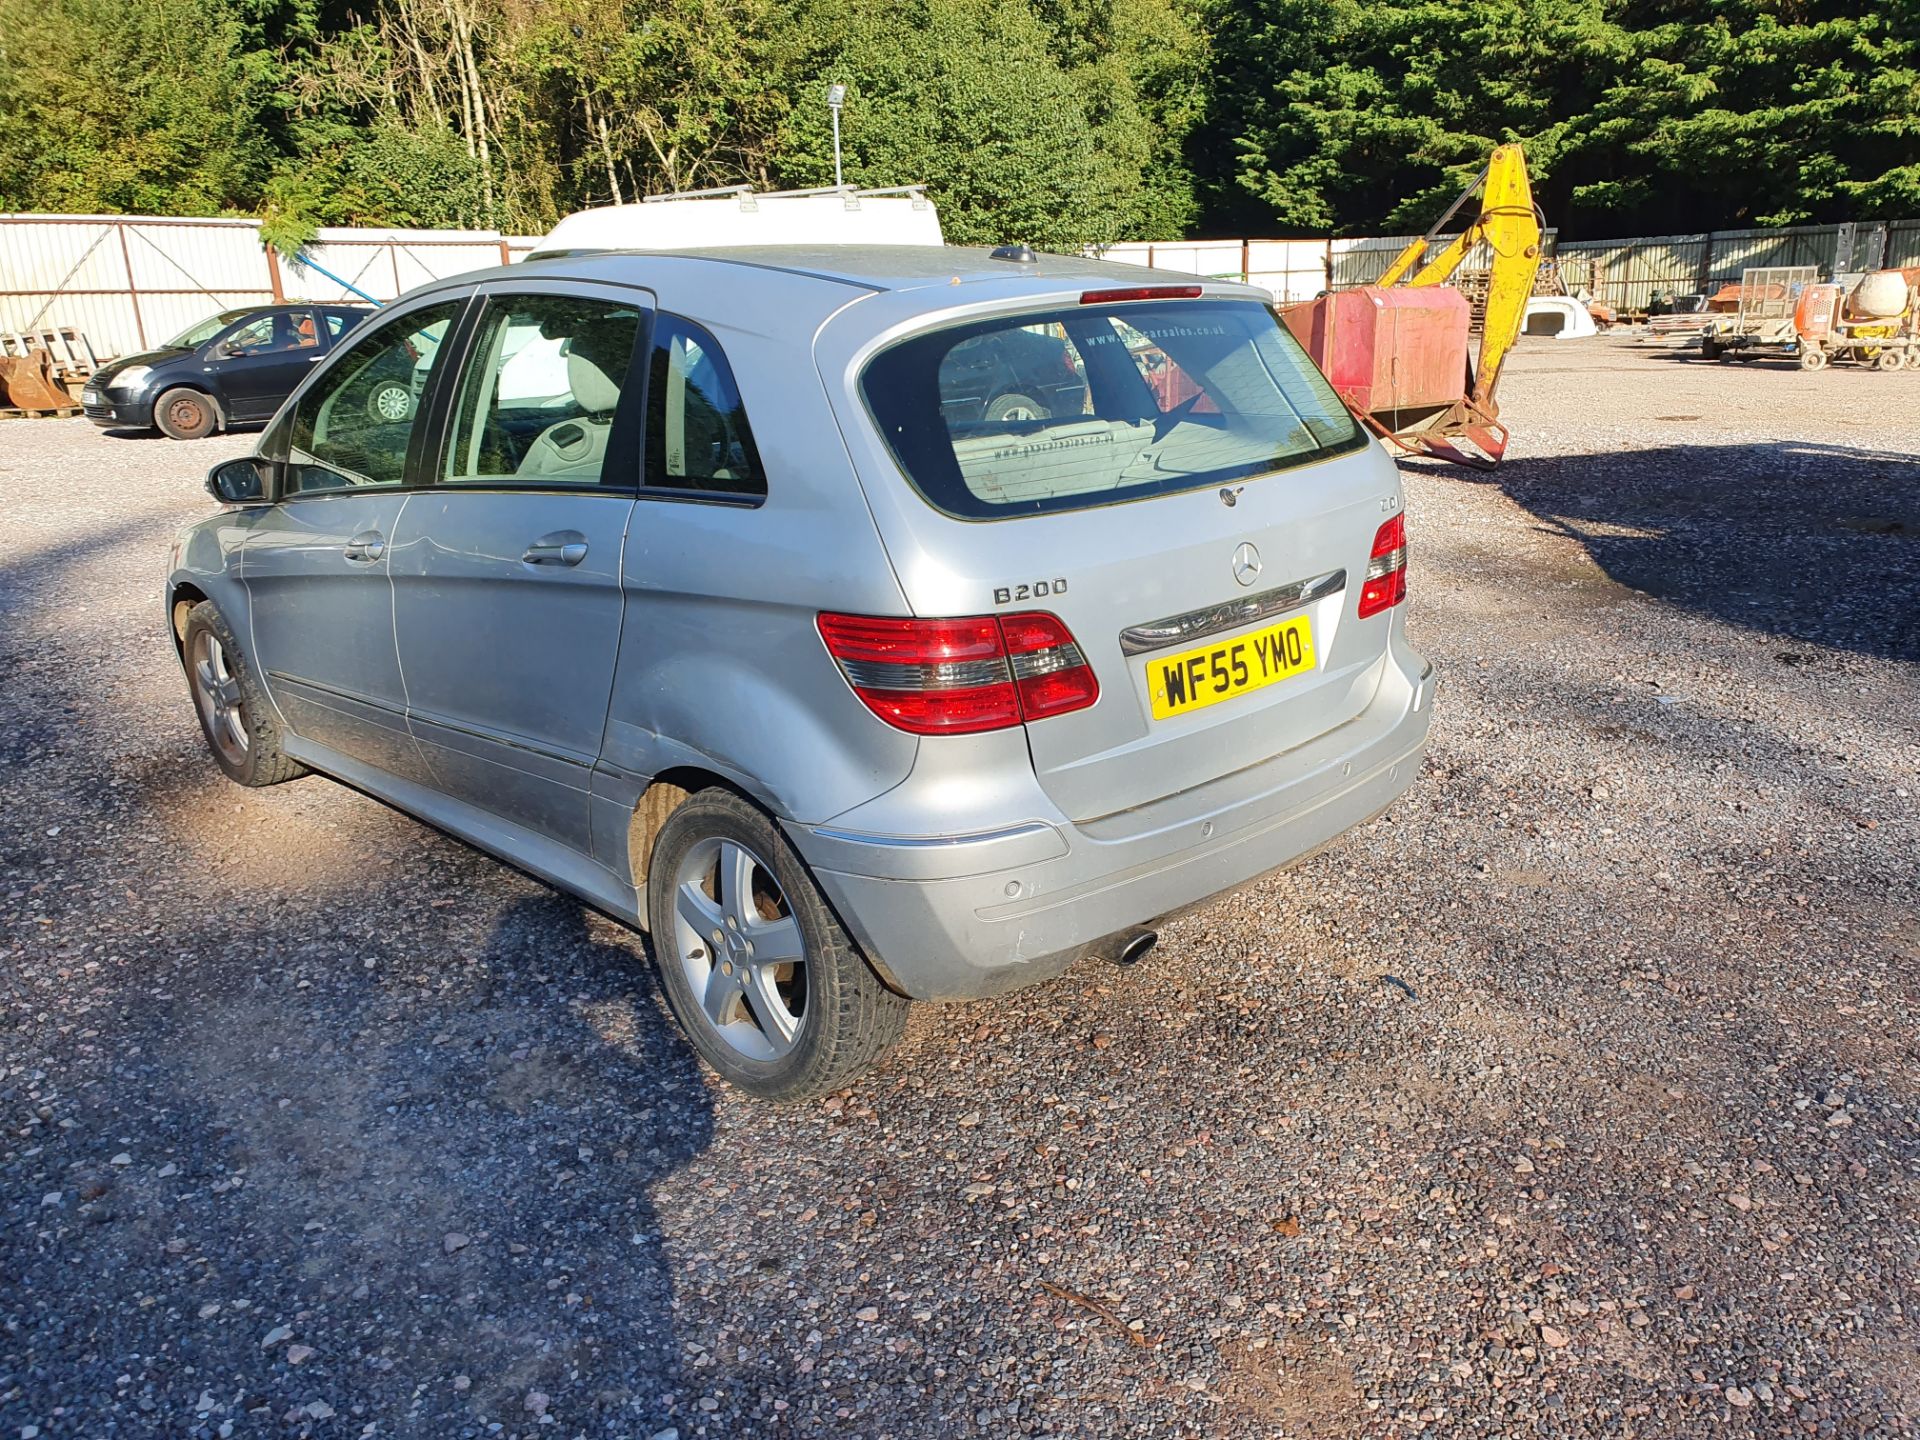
x,y
737,215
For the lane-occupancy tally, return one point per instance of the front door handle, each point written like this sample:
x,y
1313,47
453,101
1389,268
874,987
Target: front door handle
x,y
368,545
562,547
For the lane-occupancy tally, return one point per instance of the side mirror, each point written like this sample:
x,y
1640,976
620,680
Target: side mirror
x,y
239,482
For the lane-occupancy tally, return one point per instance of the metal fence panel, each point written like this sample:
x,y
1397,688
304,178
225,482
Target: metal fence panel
x,y
1627,274
130,282
388,263
1293,270
1735,251
1290,269
1363,261
1903,243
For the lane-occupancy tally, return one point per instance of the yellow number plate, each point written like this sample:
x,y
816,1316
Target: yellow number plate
x,y
1196,678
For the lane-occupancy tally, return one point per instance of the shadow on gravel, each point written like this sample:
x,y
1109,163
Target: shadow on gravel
x,y
370,1170
1810,543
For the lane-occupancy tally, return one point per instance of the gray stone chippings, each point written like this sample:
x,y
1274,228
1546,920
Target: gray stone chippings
x,y
316,1122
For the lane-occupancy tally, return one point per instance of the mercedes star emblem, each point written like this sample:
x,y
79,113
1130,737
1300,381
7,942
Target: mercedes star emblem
x,y
1246,564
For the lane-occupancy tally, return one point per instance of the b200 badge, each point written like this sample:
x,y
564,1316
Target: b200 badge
x,y
1032,590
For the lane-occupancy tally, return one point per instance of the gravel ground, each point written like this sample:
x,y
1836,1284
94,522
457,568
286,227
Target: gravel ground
x,y
318,1122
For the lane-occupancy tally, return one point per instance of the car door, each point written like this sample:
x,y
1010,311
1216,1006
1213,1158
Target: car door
x,y
316,564
259,364
506,567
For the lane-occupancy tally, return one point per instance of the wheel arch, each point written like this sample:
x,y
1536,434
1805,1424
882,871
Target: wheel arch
x,y
666,793
180,602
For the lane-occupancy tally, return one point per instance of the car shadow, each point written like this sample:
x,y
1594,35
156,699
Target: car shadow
x,y
129,432
1807,542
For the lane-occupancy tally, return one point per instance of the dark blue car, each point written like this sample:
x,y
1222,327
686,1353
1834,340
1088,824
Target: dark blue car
x,y
229,369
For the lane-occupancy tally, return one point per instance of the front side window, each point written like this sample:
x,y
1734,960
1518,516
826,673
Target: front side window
x,y
697,434
354,426
273,334
537,401
1092,405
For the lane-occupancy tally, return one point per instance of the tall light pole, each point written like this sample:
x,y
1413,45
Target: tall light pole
x,y
836,97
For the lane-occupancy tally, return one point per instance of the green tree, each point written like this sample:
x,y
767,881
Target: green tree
x,y
156,108
1749,112
1637,115
1366,114
969,97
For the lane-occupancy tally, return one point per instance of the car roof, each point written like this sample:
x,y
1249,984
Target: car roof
x,y
274,307
796,288
868,267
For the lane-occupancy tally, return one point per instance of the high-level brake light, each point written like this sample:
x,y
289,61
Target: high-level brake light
x,y
1140,292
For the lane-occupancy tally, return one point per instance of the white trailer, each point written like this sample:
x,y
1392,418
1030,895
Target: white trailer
x,y
737,215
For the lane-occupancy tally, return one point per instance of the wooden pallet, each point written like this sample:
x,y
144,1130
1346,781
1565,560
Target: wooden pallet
x,y
73,357
66,412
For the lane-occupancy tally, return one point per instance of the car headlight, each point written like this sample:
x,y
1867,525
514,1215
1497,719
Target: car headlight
x,y
129,377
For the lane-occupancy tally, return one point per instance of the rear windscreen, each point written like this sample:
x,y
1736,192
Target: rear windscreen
x,y
1091,405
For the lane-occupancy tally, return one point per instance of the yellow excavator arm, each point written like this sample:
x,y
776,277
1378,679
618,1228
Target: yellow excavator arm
x,y
1510,224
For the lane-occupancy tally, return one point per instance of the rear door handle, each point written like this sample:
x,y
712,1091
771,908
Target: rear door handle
x,y
367,545
562,547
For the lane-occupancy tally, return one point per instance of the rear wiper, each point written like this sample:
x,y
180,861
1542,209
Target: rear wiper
x,y
1163,427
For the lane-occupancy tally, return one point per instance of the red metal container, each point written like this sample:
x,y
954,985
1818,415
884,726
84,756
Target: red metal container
x,y
1389,352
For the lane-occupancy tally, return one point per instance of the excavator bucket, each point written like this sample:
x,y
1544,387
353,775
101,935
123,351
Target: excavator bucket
x,y
27,383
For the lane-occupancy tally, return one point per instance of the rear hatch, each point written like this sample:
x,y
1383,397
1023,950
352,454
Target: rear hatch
x,y
1198,509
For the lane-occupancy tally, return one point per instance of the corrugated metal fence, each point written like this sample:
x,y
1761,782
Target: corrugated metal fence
x,y
1624,273
130,282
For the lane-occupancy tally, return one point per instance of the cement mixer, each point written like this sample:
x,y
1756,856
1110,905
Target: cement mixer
x,y
1868,319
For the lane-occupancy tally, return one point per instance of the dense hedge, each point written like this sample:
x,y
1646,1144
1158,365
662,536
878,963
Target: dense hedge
x,y
1054,121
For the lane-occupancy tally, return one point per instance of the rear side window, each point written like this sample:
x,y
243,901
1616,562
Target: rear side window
x,y
544,379
1073,408
698,440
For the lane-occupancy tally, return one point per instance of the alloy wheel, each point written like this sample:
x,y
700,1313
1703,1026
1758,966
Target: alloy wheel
x,y
740,948
217,693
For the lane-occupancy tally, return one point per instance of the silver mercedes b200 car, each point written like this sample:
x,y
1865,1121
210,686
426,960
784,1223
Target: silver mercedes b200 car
x,y
866,624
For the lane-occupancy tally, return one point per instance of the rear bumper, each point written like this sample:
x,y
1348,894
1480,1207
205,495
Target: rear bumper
x,y
967,916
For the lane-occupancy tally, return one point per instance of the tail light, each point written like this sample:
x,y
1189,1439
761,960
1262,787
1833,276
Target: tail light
x,y
964,676
1386,582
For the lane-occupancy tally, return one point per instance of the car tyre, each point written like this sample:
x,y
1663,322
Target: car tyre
x,y
390,402
235,717
185,414
769,988
1015,406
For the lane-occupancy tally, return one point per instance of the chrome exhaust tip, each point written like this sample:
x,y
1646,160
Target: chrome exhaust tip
x,y
1136,946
